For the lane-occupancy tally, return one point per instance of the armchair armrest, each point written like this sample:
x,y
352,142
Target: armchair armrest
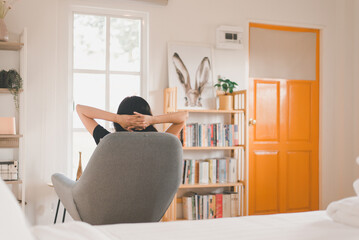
x,y
63,187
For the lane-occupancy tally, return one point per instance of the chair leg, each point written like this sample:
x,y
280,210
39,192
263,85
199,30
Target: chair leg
x,y
63,216
57,211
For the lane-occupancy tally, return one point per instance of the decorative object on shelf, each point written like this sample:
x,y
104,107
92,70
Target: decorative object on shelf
x,y
79,168
14,81
190,70
7,125
5,6
9,170
225,100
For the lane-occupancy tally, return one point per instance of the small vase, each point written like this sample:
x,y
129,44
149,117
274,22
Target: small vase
x,y
225,102
4,35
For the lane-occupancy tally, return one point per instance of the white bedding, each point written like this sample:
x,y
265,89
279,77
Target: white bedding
x,y
309,225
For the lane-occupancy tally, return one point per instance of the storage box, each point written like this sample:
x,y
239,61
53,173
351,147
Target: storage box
x,y
7,125
9,170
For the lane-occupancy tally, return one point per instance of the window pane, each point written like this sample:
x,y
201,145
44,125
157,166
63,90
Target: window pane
x,y
89,89
82,142
89,42
125,50
122,86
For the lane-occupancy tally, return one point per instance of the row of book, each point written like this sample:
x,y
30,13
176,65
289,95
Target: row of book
x,y
223,170
9,170
197,206
210,135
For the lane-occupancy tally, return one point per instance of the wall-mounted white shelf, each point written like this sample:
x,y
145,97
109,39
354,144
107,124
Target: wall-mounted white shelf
x,y
11,46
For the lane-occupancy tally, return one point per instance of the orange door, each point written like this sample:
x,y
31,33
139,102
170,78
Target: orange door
x,y
283,143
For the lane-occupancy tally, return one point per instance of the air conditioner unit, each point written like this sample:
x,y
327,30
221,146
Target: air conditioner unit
x,y
159,2
229,37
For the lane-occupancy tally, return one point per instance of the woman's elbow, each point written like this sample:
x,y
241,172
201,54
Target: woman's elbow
x,y
78,108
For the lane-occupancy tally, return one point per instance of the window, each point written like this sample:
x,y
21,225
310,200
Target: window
x,y
109,52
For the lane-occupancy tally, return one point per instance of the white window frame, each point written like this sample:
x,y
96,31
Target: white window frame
x,y
108,13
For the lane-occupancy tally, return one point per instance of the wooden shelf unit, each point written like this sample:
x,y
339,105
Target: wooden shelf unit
x,y
170,105
11,46
16,142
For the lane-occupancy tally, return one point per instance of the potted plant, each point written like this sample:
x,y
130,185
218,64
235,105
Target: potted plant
x,y
14,84
225,100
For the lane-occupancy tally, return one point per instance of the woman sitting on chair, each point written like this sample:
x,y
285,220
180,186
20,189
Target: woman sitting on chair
x,y
133,114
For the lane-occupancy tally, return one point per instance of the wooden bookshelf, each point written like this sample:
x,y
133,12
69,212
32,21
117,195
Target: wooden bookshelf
x,y
11,46
237,116
212,185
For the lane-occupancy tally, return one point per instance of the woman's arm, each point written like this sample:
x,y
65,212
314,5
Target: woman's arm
x,y
178,120
89,114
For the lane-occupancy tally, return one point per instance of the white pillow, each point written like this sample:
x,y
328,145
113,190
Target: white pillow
x,y
13,224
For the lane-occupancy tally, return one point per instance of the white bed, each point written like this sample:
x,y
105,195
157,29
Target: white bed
x,y
309,225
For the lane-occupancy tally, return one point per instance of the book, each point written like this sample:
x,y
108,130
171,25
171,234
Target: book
x,y
187,201
219,209
200,206
226,205
196,206
222,171
203,172
211,206
234,204
212,170
205,206
232,170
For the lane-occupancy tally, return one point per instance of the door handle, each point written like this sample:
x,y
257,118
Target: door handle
x,y
252,122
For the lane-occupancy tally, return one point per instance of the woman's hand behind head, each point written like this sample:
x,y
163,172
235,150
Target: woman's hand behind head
x,y
134,122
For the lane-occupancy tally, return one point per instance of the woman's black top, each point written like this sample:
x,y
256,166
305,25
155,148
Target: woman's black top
x,y
99,132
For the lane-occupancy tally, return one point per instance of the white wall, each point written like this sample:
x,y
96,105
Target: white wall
x,y
189,21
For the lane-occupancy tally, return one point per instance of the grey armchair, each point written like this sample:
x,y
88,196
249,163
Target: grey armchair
x,y
130,177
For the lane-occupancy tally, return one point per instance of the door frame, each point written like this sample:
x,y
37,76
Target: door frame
x,y
322,30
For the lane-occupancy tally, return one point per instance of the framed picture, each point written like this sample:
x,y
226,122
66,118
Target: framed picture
x,y
190,69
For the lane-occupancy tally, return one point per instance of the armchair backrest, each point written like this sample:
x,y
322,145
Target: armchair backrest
x,y
131,177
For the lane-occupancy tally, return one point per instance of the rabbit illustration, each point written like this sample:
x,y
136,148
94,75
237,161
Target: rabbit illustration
x,y
193,96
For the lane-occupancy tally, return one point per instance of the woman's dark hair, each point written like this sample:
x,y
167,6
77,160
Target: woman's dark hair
x,y
134,104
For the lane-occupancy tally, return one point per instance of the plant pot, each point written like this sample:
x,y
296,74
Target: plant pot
x,y
4,35
225,102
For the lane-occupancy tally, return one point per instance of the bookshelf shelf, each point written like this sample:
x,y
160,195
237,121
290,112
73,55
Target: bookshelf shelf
x,y
213,148
213,185
11,46
6,136
9,140
6,91
13,182
228,131
215,111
